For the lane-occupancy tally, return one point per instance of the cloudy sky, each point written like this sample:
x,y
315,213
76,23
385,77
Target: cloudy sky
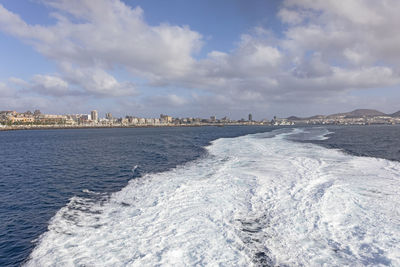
x,y
200,57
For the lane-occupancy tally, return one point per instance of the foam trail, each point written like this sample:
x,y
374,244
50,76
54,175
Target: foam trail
x,y
254,200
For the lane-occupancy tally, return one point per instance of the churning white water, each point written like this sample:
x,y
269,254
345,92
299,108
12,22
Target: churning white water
x,y
253,200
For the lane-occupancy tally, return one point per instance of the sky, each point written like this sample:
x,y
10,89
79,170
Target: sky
x,y
199,58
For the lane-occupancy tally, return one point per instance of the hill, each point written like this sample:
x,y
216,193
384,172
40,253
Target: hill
x,y
294,118
359,113
396,114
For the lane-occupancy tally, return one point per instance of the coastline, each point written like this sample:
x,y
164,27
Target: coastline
x,y
63,127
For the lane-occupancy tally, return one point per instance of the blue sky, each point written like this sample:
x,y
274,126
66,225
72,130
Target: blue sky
x,y
200,57
221,22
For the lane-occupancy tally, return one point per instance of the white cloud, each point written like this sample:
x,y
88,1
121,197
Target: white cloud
x,y
49,85
328,49
291,16
176,100
365,27
97,81
18,81
109,34
167,101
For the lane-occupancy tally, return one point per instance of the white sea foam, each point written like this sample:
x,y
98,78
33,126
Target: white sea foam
x,y
253,200
135,168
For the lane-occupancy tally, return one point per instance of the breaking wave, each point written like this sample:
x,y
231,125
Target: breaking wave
x,y
261,200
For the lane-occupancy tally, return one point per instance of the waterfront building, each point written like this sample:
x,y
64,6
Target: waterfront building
x,y
52,119
250,117
109,116
22,119
225,119
95,115
149,121
135,120
83,118
165,118
36,113
125,121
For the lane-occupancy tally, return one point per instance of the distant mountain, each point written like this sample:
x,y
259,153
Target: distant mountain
x,y
316,117
294,118
396,114
359,113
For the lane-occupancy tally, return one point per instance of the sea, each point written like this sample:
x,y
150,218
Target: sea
x,y
201,196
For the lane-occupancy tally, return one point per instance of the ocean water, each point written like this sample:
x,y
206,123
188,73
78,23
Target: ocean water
x,y
230,196
40,171
382,141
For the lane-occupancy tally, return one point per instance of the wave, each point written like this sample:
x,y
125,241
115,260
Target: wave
x,y
259,199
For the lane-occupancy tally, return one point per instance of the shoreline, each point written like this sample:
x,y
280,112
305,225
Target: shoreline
x,y
63,127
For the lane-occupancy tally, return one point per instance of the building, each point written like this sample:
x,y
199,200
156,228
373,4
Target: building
x,y
225,119
52,119
6,114
37,112
22,119
250,117
109,116
94,115
84,118
165,118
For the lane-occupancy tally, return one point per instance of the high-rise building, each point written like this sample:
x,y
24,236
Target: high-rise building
x,y
109,116
94,115
250,117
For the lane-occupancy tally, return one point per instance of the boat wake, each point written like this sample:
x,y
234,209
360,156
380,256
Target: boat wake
x,y
255,200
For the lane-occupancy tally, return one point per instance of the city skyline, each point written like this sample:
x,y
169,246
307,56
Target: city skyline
x,y
199,59
11,120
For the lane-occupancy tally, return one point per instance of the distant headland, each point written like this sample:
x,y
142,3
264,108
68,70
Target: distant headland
x,y
355,117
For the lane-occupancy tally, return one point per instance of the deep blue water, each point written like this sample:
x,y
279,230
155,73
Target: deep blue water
x,y
381,141
41,170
